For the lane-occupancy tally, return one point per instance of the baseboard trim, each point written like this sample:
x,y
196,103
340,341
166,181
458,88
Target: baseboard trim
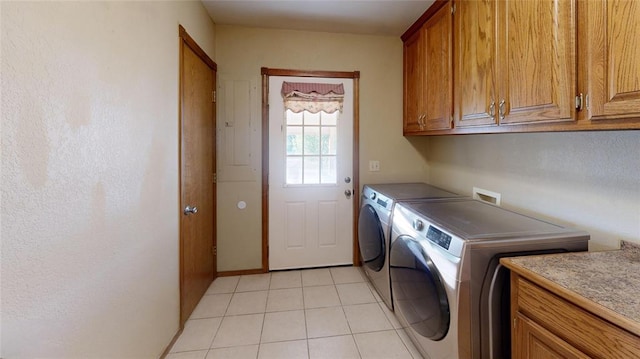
x,y
261,271
241,272
173,341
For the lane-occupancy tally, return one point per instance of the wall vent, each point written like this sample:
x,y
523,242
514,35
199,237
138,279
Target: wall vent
x,y
486,196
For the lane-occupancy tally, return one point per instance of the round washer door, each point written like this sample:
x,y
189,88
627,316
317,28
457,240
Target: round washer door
x,y
371,238
417,290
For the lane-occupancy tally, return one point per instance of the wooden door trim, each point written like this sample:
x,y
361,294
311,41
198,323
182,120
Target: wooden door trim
x,y
266,73
186,40
189,41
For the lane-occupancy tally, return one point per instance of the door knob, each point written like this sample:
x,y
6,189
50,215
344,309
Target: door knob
x,y
188,210
347,193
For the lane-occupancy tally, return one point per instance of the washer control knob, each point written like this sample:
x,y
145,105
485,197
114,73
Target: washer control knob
x,y
418,225
372,195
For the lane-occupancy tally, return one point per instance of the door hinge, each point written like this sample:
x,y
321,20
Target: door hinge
x,y
215,177
214,250
579,102
213,96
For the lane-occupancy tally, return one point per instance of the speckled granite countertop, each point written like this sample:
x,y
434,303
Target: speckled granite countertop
x,y
610,279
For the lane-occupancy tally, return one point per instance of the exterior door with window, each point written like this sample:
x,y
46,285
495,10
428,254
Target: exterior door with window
x,y
310,164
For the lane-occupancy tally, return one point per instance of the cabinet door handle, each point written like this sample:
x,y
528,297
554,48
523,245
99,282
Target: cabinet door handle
x,y
492,109
502,113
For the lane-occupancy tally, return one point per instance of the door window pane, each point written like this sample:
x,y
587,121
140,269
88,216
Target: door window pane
x,y
311,148
294,170
311,119
329,119
294,118
329,140
328,170
294,140
311,141
311,170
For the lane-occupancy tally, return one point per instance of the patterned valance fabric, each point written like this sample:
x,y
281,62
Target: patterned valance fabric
x,y
312,97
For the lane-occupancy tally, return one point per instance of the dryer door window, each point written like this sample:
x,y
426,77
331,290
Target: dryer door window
x,y
417,290
371,238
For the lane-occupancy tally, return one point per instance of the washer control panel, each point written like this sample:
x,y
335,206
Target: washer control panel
x,y
408,222
374,197
439,237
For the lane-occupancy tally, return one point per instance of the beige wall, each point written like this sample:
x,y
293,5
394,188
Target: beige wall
x,y
90,176
243,51
587,180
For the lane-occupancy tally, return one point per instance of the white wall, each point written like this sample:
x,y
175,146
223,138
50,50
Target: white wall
x,y
90,176
243,51
586,180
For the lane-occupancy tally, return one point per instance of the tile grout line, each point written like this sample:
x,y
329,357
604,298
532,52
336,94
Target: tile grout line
x,y
264,316
304,309
304,313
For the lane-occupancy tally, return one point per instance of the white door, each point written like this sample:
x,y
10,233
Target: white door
x,y
310,164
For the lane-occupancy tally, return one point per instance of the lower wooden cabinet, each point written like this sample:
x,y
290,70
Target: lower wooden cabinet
x,y
533,341
546,325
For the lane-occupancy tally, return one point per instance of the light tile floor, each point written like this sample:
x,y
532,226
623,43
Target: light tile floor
x,y
313,313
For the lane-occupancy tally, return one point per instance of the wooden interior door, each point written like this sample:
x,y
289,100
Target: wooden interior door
x,y
537,73
197,167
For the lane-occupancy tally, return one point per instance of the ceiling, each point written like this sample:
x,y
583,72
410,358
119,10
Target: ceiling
x,y
373,17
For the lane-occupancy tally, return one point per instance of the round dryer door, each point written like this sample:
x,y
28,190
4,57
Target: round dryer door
x,y
371,238
418,292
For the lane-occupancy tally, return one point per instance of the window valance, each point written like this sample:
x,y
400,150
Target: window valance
x,y
312,97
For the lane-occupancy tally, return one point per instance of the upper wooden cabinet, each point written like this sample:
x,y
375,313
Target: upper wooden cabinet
x,y
414,70
427,75
536,61
515,62
609,60
475,55
529,66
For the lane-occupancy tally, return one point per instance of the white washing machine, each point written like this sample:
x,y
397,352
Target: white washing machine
x,y
376,212
449,291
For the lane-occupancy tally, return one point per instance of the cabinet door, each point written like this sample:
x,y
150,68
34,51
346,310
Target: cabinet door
x,y
611,58
437,84
530,340
474,63
537,61
413,82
